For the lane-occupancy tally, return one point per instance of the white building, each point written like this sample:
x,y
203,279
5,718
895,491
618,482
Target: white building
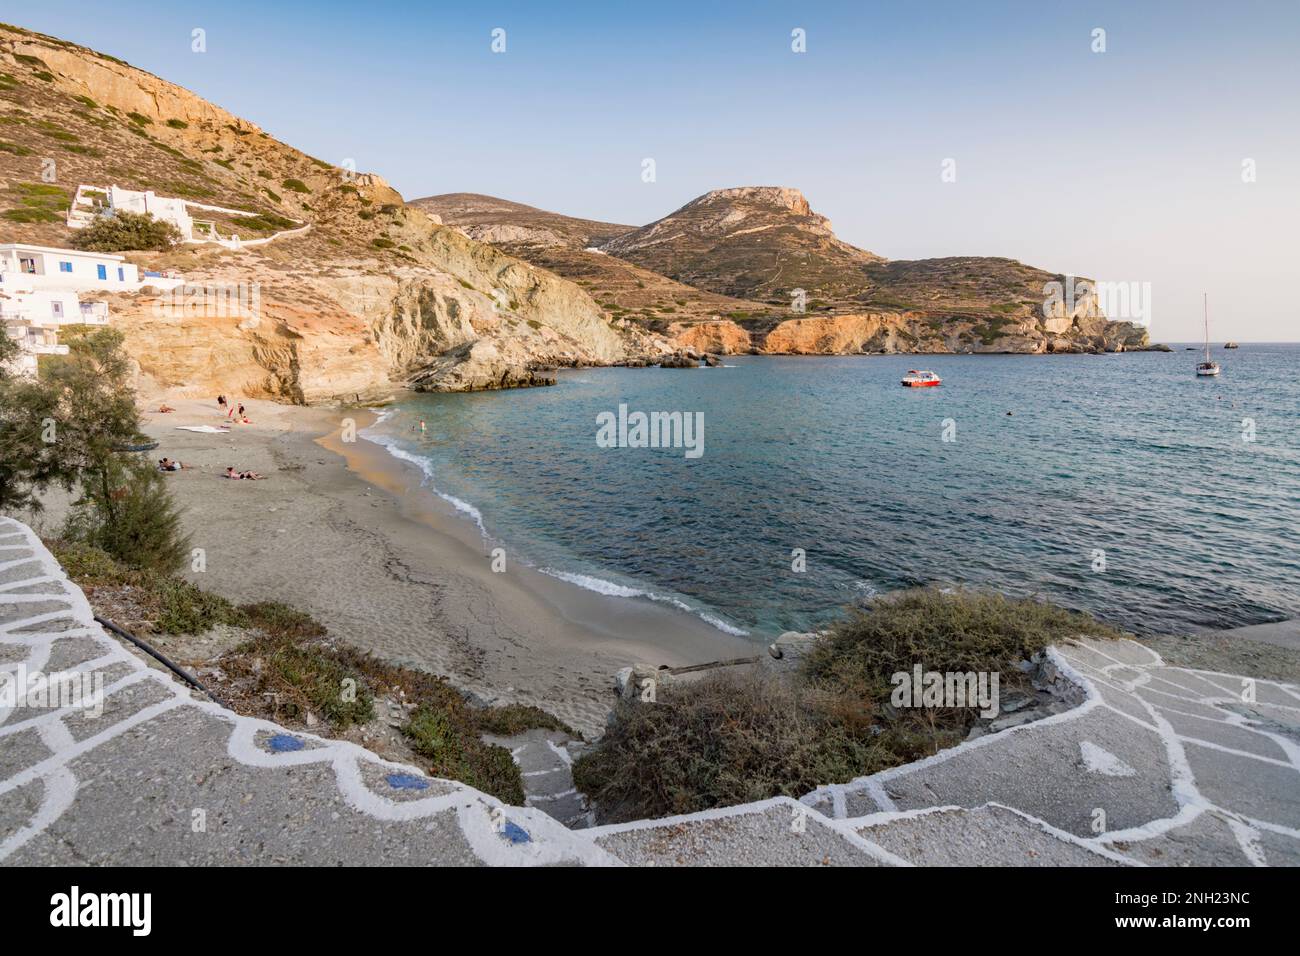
x,y
90,202
38,294
46,267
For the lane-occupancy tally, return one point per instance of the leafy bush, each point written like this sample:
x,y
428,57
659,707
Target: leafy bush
x,y
178,124
297,185
124,231
126,510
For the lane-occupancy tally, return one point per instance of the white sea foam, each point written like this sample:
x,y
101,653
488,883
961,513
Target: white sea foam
x,y
426,468
586,581
610,588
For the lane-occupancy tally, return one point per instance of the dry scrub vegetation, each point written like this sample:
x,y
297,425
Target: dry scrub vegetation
x,y
284,667
733,739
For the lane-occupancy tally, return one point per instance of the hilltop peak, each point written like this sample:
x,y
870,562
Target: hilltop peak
x,y
753,242
784,197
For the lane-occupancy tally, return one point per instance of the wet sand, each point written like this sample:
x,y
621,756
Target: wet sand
x,y
345,531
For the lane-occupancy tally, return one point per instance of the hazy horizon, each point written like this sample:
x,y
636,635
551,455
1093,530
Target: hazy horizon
x,y
1124,165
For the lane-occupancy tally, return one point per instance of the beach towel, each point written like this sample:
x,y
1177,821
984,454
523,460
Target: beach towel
x,y
206,429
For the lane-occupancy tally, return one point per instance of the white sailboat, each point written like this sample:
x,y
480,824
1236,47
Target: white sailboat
x,y
1209,366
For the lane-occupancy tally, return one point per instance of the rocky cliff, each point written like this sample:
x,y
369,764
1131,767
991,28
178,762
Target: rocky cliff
x,y
756,269
462,291
896,332
375,296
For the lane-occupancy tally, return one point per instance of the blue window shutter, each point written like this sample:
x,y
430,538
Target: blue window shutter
x,y
101,271
121,274
65,266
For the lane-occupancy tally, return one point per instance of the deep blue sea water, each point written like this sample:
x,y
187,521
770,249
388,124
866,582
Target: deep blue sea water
x,y
1127,455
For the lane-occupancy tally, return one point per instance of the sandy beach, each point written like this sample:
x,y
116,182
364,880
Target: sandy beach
x,y
345,531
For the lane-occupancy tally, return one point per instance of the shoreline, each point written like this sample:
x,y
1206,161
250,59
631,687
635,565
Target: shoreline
x,y
348,532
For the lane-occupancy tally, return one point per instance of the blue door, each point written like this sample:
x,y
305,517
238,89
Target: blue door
x,y
101,271
121,275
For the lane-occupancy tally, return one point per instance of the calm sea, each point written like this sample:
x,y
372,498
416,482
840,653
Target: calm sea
x,y
1119,484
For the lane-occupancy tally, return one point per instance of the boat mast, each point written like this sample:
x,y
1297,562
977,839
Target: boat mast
x,y
1205,303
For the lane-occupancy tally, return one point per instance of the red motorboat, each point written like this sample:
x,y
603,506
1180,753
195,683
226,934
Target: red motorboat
x,y
919,378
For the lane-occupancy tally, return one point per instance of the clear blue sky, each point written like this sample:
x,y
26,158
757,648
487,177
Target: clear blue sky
x,y
1124,165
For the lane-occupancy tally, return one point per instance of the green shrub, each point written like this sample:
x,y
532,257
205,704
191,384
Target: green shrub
x,y
127,511
127,231
306,677
186,609
382,243
282,620
960,631
178,124
296,185
265,222
32,215
139,119
510,719
450,743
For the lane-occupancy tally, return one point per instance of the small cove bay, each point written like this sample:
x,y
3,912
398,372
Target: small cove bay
x,y
1117,484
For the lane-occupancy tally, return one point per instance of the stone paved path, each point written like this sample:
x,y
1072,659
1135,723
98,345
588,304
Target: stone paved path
x,y
545,759
162,776
1159,766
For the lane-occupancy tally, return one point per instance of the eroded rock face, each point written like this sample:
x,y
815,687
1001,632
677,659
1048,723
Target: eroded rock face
x,y
836,335
488,321
723,337
375,296
898,332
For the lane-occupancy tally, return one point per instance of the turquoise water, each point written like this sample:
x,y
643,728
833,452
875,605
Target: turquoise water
x,y
1126,457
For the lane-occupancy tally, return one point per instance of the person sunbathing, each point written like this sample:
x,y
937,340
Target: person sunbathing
x,y
170,464
243,475
165,408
